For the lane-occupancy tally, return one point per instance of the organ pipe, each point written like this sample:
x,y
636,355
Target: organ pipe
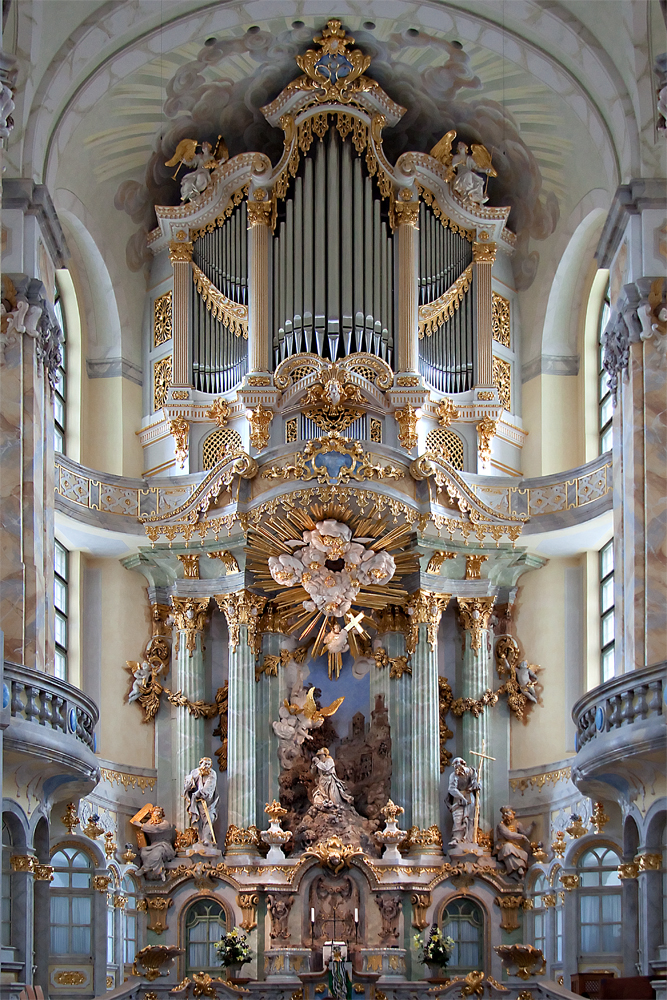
x,y
333,258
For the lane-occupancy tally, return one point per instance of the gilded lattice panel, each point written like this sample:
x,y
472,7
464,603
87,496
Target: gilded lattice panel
x,y
502,379
162,328
376,431
161,381
447,444
218,444
291,430
500,319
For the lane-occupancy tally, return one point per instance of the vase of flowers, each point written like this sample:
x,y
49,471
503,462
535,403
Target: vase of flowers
x,y
436,952
233,951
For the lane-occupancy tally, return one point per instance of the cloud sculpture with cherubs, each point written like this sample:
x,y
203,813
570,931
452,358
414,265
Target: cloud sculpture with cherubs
x,y
331,567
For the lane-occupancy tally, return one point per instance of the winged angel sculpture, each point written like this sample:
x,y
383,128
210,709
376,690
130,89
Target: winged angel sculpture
x,y
465,167
296,720
199,178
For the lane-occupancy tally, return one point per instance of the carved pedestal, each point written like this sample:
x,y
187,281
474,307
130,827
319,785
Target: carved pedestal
x,y
389,962
286,964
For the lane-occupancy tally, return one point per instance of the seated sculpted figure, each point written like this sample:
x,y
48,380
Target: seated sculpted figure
x,y
161,836
512,843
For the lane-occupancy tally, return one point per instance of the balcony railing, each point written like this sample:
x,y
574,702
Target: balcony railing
x,y
633,697
46,701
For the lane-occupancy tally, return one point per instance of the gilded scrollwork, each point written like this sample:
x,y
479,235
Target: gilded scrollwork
x,y
260,421
189,616
433,314
234,315
424,608
315,463
242,608
474,615
180,431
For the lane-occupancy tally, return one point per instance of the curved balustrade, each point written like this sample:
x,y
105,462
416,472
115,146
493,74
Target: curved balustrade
x,y
622,701
551,502
35,697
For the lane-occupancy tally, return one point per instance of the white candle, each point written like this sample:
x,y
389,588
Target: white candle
x,y
356,915
312,914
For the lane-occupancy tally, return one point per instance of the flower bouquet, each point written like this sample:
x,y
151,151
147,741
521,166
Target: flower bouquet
x,y
232,949
437,950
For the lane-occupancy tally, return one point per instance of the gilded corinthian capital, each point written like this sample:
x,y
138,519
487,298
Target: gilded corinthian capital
x,y
474,614
242,608
189,616
425,608
180,252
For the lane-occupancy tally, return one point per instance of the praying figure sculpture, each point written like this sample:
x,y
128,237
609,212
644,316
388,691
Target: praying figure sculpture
x,y
202,802
461,795
330,791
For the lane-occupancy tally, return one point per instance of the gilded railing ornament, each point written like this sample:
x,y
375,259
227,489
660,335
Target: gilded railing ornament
x,y
179,428
333,71
260,421
242,608
407,418
486,429
474,614
320,461
201,983
333,854
424,608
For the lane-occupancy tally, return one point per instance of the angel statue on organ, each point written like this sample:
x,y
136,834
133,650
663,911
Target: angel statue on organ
x,y
199,178
468,166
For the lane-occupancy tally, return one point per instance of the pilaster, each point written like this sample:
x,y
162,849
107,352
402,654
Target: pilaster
x,y
180,255
188,732
406,214
259,218
483,255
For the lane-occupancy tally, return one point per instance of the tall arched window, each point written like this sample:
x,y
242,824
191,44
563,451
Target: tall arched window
x,y
60,391
541,889
605,405
7,850
129,889
463,921
71,903
600,913
205,922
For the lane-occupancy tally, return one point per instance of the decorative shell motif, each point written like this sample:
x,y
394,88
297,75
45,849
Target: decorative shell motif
x,y
332,567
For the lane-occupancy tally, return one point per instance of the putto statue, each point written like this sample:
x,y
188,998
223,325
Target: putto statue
x,y
161,837
330,791
199,790
512,843
461,796
193,183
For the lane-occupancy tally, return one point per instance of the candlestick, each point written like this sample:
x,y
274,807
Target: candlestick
x,y
356,915
312,914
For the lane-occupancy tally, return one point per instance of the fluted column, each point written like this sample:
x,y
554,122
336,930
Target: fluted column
x,y
180,255
425,611
270,692
259,219
406,215
396,682
483,255
474,615
188,732
242,611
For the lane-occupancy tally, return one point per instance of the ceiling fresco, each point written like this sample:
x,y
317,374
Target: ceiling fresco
x,y
218,85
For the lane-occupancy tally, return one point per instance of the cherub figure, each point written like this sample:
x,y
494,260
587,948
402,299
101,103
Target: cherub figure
x,y
140,675
468,166
193,183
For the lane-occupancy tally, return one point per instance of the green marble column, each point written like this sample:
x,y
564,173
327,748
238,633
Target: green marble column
x,y
474,614
241,775
425,610
398,694
189,741
269,697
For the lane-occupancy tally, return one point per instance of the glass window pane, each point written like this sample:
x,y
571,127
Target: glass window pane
x,y
80,880
607,594
58,409
81,909
611,938
603,383
59,940
606,411
611,908
59,910
608,628
61,630
607,559
611,878
61,665
80,941
608,668
61,560
607,440
60,880
589,879
58,441
590,939
60,594
589,909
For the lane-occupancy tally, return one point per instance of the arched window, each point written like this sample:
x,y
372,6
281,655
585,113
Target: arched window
x,y
205,922
463,921
605,405
71,903
7,850
541,889
60,391
600,914
129,889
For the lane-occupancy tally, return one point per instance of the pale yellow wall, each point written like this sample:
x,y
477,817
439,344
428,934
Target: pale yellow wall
x,y
122,737
111,418
552,406
540,624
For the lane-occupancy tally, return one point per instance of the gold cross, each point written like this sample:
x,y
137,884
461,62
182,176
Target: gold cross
x,y
483,757
354,622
